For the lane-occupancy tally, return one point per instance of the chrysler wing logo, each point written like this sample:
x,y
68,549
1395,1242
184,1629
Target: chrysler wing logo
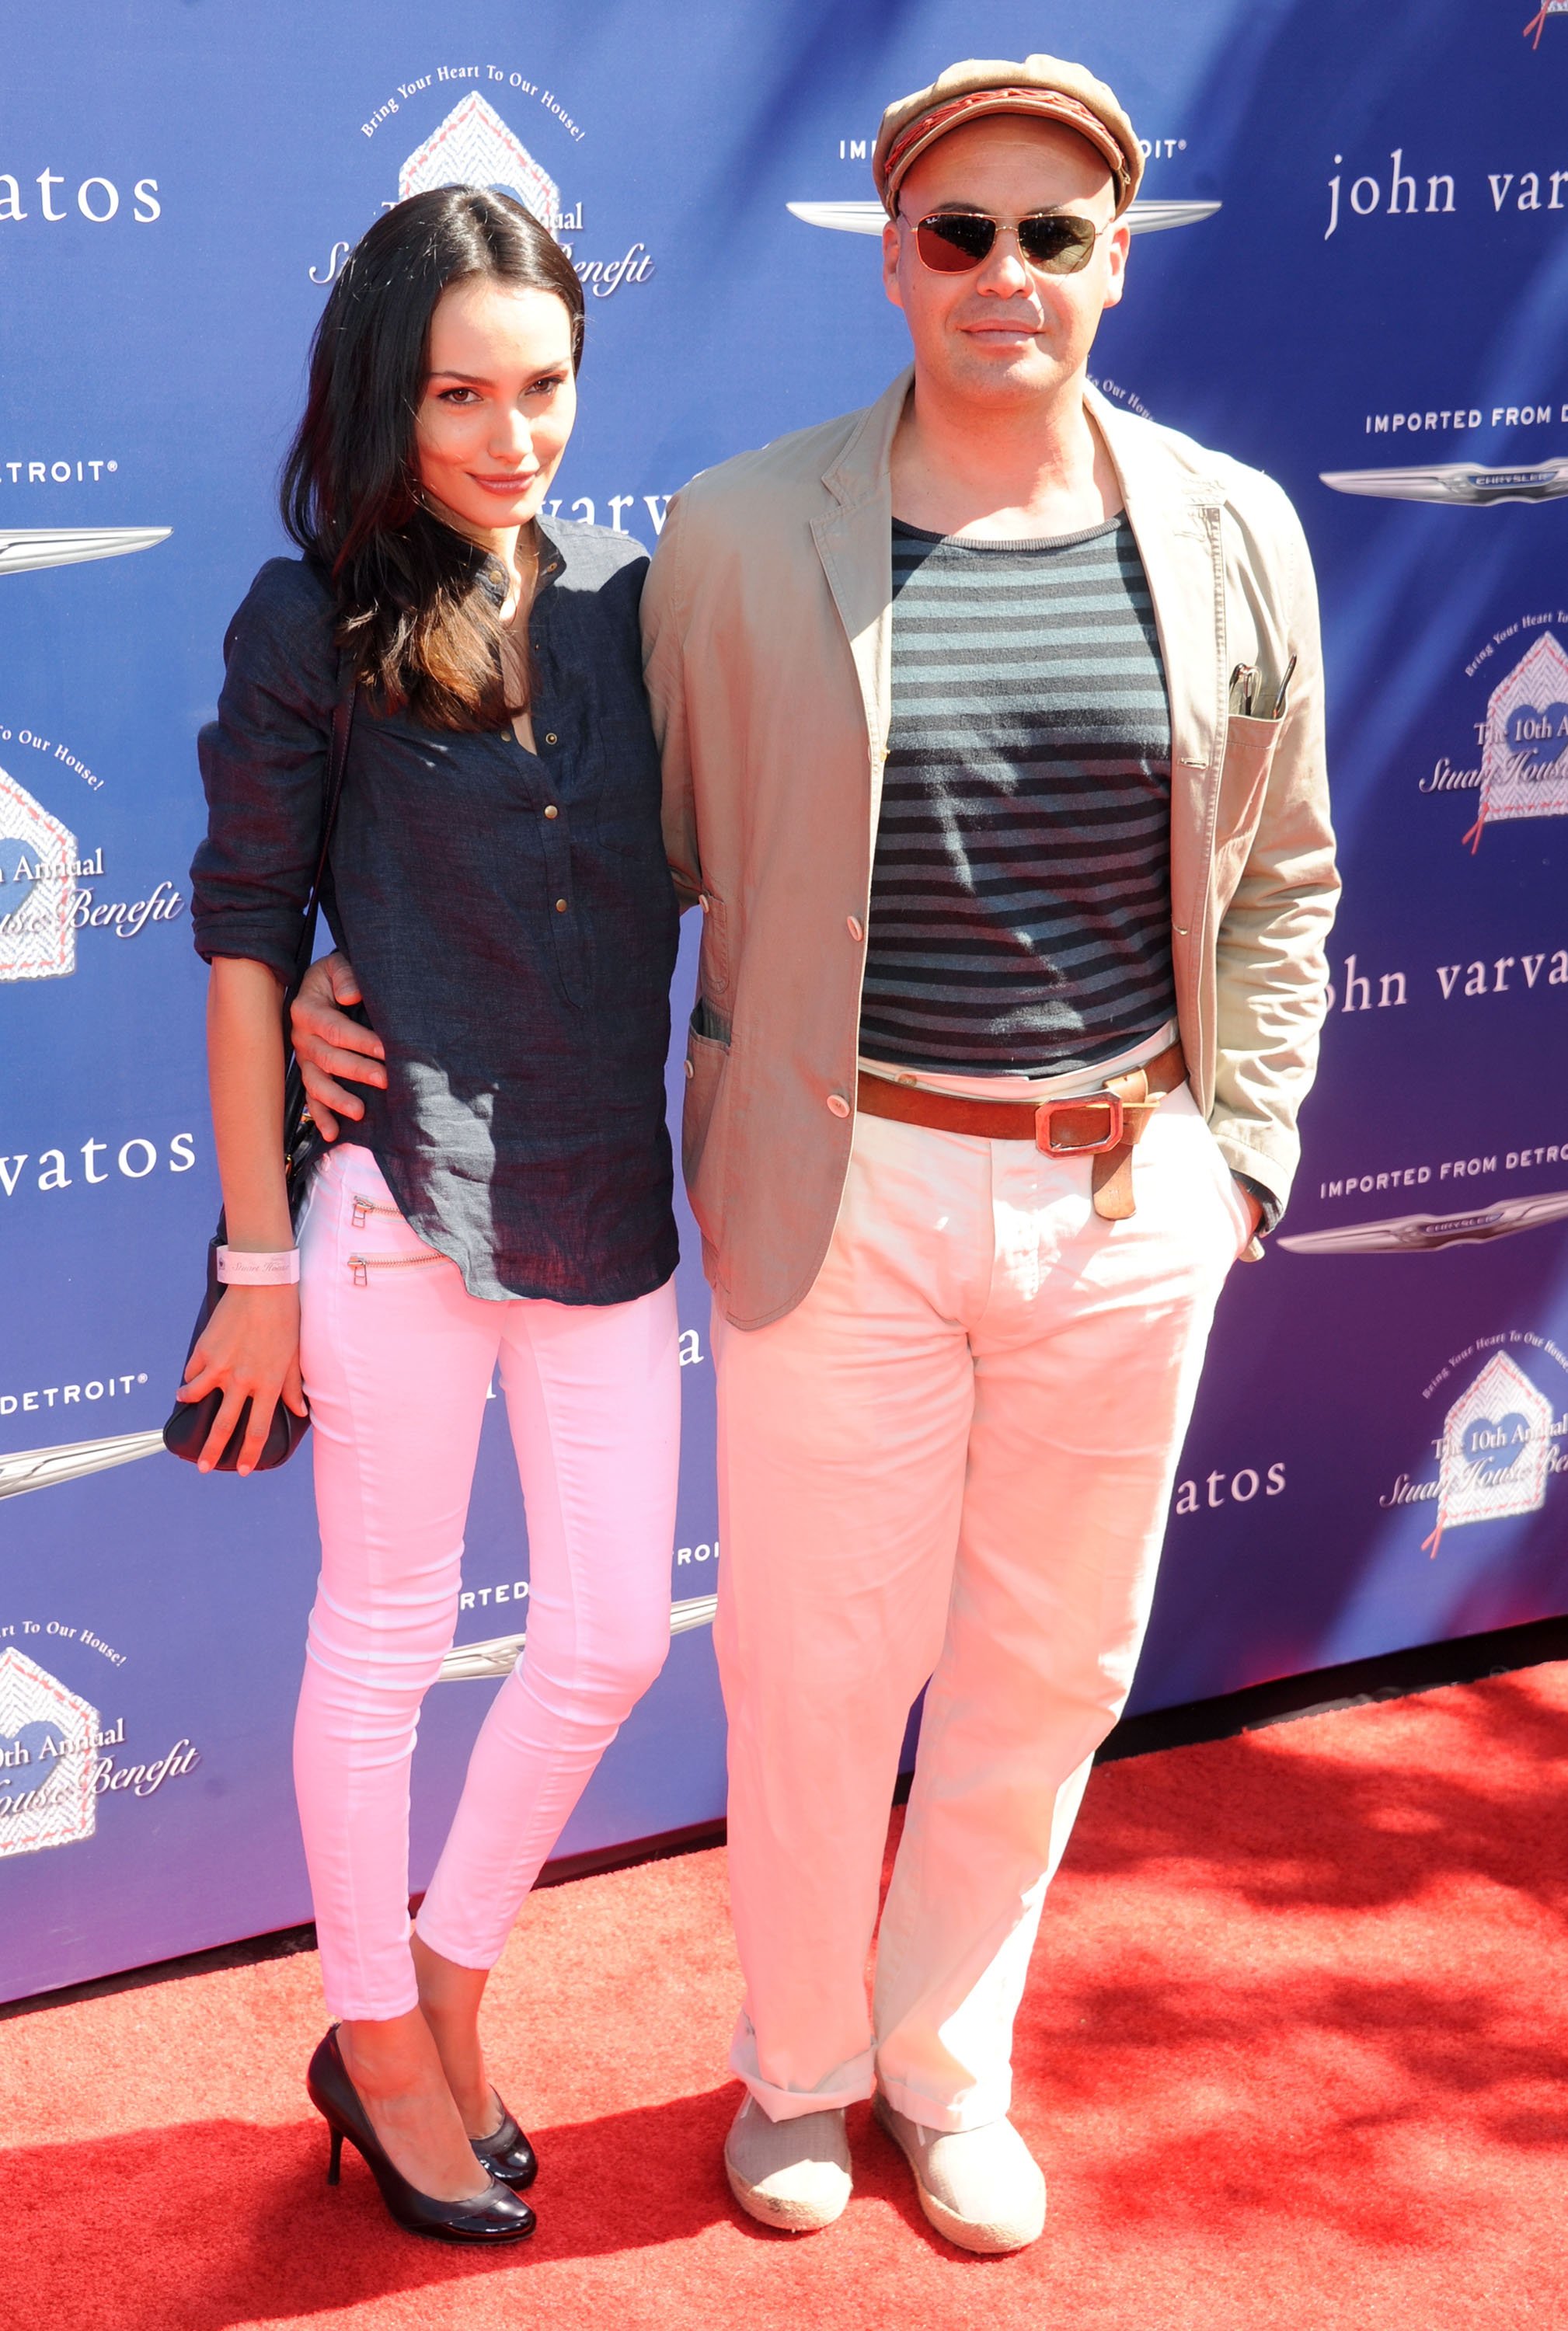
x,y
870,218
69,545
40,1468
499,1654
1422,1233
1463,483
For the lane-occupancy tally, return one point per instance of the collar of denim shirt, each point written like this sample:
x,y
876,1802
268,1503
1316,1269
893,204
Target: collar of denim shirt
x,y
490,573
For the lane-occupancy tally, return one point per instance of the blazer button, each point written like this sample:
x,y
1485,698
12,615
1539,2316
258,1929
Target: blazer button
x,y
857,929
838,1104
551,811
560,906
702,901
689,1070
552,738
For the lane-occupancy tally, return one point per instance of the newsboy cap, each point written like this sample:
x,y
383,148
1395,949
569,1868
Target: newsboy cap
x,y
1048,87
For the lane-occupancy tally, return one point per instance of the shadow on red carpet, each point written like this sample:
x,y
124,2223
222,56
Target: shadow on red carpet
x,y
1294,2054
163,2218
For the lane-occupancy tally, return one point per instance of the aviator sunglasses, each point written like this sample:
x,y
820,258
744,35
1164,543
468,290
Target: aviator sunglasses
x,y
952,243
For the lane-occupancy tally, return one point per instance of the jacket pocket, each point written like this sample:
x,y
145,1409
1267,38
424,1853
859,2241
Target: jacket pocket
x,y
704,1129
1250,747
713,964
1233,1194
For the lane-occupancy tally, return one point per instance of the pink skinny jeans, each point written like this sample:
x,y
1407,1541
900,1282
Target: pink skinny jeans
x,y
396,1370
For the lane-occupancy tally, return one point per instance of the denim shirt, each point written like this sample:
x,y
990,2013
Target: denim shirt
x,y
510,916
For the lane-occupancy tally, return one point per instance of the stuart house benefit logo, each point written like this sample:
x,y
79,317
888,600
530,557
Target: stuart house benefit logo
x,y
1537,23
1524,741
54,887
472,146
1518,767
1499,1445
43,901
59,1757
39,867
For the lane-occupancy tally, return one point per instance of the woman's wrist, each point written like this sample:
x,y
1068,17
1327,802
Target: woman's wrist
x,y
259,1231
244,1267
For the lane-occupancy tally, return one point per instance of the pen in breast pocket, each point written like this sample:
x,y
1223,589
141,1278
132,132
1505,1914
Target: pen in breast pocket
x,y
1284,689
1243,684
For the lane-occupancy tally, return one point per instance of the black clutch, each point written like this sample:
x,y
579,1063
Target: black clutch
x,y
185,1433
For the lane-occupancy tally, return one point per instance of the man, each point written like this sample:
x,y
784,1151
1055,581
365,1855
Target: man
x,y
1015,892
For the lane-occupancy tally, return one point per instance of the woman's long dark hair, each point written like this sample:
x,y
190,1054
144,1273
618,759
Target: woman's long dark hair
x,y
410,608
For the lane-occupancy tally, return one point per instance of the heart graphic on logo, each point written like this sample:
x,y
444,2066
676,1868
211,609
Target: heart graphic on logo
x,y
1539,729
1494,1447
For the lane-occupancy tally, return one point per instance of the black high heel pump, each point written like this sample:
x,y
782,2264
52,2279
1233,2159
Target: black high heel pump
x,y
506,2154
498,2216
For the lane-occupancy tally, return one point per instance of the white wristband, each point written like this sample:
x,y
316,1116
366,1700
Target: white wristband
x,y
238,1269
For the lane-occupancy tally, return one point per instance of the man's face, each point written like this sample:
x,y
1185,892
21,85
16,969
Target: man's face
x,y
1004,332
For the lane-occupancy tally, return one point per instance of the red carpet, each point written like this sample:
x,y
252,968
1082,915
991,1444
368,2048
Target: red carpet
x,y
1294,2056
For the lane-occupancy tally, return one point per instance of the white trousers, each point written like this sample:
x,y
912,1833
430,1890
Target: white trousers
x,y
397,1359
951,1460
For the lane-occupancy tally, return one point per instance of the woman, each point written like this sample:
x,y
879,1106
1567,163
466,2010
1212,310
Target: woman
x,y
497,879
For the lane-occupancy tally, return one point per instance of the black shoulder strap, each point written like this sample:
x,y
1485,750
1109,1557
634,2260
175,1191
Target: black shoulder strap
x,y
332,793
300,1139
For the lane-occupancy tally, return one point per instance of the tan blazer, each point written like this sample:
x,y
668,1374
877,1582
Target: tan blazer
x,y
766,630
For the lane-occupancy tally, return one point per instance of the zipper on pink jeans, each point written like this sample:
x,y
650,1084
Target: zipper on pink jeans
x,y
362,1265
363,1210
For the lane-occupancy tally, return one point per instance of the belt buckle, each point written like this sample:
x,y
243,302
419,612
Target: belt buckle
x,y
1046,1113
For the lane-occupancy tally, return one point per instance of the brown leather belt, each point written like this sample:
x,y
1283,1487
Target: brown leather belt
x,y
1105,1126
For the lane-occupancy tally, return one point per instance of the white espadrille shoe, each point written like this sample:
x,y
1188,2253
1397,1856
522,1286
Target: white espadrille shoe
x,y
790,2174
980,2187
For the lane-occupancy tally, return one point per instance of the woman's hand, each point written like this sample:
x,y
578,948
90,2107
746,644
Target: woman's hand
x,y
329,1045
248,1350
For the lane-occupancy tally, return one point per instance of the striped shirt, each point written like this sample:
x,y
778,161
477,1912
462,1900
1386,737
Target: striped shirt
x,y
1020,911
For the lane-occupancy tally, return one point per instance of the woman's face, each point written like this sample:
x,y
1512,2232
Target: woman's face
x,y
499,402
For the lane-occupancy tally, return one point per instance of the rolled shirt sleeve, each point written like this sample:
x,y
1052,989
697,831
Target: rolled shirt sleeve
x,y
264,764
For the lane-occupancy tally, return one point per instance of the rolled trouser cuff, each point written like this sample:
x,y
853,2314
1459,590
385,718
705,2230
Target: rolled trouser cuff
x,y
462,1954
976,2109
848,2084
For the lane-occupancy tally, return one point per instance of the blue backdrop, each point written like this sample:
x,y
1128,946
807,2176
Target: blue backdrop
x,y
1362,287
